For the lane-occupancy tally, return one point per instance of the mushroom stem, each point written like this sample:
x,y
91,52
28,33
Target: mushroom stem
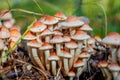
x,y
36,58
79,72
38,38
47,39
85,43
71,78
107,73
53,67
72,31
115,74
114,55
58,49
3,56
47,54
50,27
66,67
71,61
85,64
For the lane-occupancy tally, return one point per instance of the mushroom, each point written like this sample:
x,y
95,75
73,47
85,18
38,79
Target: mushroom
x,y
79,65
71,23
29,36
49,20
112,39
5,14
71,74
85,56
46,47
47,34
72,45
86,27
97,38
65,55
53,58
115,68
37,28
9,23
103,66
57,40
33,51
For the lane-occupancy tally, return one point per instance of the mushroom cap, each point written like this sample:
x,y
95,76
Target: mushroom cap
x,y
46,46
86,27
57,32
84,54
9,23
46,32
91,40
4,32
60,16
49,20
66,38
80,35
112,38
29,36
72,21
14,35
5,14
114,67
65,54
38,27
79,63
102,64
71,73
12,43
15,27
34,43
1,44
53,57
56,39
71,45
97,38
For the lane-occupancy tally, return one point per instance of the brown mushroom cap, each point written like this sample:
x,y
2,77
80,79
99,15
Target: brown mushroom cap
x,y
49,20
56,39
60,16
57,32
46,46
84,54
86,27
66,38
71,73
38,27
5,14
114,67
79,63
65,54
102,64
72,21
53,57
96,37
72,44
33,43
4,32
80,35
91,40
46,32
112,38
29,36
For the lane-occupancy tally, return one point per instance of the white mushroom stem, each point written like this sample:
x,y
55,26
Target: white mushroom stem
x,y
71,78
3,56
114,55
38,38
115,74
107,73
53,67
72,31
78,50
79,72
58,49
47,39
65,63
50,27
85,63
36,58
47,54
71,61
85,43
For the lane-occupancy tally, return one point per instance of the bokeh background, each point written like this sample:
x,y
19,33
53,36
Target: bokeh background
x,y
93,9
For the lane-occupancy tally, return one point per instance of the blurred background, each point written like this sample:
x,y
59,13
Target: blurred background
x,y
92,9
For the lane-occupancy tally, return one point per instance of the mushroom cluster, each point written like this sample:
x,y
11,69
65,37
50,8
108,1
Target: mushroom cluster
x,y
61,44
9,33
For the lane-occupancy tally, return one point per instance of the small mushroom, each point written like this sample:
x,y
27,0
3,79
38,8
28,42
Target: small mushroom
x,y
46,47
53,58
29,36
86,27
5,14
115,68
71,75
